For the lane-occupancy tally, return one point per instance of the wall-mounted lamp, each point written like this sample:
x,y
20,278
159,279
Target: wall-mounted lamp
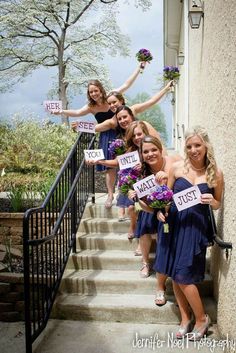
x,y
195,14
180,58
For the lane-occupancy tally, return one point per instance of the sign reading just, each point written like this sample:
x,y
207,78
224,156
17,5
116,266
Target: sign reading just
x,y
187,198
128,160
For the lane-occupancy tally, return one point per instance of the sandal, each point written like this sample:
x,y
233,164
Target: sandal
x,y
145,271
183,330
199,332
138,252
160,298
108,203
130,235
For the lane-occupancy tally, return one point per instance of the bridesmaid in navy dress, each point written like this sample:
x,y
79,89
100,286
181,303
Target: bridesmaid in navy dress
x,y
181,254
98,106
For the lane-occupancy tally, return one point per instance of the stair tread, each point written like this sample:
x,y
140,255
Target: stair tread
x,y
137,301
112,275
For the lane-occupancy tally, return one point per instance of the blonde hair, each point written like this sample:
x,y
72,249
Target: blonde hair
x,y
210,162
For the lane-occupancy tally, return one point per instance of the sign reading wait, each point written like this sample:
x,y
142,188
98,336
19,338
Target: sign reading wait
x,y
145,186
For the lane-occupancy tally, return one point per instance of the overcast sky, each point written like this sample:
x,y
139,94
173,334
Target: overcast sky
x,y
145,30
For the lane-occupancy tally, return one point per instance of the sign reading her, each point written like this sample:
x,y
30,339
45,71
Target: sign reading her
x,y
187,198
128,160
145,186
51,106
93,155
86,126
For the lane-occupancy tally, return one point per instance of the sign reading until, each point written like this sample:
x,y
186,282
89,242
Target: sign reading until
x,y
187,198
128,160
145,186
51,106
93,155
86,126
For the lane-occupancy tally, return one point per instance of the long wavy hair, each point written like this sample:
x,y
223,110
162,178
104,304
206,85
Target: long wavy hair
x,y
118,95
91,102
146,170
119,130
210,162
129,134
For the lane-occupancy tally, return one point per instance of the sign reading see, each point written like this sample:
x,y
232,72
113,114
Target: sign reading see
x,y
51,106
93,155
128,160
86,126
187,198
145,186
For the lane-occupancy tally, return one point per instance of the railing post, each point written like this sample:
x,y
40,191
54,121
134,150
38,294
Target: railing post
x,y
74,210
28,342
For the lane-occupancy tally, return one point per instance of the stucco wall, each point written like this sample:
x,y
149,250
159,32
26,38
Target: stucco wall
x,y
212,103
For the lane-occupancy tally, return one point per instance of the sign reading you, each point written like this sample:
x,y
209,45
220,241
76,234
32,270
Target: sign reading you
x,y
187,198
51,106
128,160
86,126
145,186
93,155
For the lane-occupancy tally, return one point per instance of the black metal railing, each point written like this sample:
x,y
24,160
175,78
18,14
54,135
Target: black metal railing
x,y
216,239
49,234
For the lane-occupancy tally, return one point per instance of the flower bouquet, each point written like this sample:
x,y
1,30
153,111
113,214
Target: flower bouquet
x,y
143,55
171,73
160,198
116,148
127,178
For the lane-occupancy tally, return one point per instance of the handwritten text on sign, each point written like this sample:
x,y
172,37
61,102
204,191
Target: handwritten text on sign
x,y
52,106
86,126
187,198
128,160
93,155
145,186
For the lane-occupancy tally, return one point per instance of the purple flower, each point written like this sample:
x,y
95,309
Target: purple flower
x,y
126,179
144,55
160,198
171,73
116,148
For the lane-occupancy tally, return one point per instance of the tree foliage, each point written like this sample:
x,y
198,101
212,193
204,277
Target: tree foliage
x,y
71,35
153,115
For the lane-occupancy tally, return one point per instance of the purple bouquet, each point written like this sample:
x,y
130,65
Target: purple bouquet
x,y
116,148
127,178
144,55
171,73
160,198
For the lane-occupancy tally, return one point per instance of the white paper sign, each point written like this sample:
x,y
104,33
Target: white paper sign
x,y
145,186
187,198
86,126
93,155
51,106
128,160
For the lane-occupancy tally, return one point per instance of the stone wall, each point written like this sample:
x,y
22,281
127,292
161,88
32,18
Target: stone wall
x,y
11,227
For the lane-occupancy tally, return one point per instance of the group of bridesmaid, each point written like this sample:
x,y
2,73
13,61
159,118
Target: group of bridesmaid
x,y
180,253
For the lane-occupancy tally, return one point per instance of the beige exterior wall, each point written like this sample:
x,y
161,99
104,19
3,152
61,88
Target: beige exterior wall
x,y
212,103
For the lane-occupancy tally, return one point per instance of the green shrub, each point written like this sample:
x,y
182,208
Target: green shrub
x,y
30,146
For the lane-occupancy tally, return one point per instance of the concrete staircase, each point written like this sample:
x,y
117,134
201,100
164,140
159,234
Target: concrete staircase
x,y
102,282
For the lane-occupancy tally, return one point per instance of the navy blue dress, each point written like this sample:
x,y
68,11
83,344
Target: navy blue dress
x,y
146,224
123,201
181,253
105,137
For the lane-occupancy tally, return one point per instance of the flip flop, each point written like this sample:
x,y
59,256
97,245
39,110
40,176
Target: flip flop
x,y
108,203
160,298
130,235
137,253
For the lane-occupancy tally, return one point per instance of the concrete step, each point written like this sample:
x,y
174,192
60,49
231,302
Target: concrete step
x,y
108,241
98,210
105,260
135,308
103,225
91,282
